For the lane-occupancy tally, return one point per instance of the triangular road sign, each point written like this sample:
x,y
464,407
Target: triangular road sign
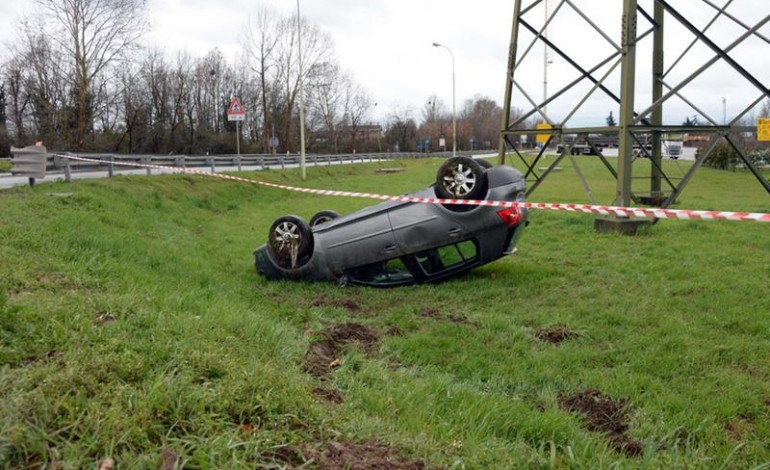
x,y
235,107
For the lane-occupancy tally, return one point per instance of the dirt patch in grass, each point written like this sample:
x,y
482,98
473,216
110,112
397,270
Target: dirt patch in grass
x,y
103,318
323,355
435,314
330,395
394,331
431,312
367,456
168,459
556,334
348,304
740,427
53,356
603,414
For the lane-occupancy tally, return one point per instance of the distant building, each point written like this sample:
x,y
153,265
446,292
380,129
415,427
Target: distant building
x,y
695,140
366,132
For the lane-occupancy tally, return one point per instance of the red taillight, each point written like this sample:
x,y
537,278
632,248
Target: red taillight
x,y
511,216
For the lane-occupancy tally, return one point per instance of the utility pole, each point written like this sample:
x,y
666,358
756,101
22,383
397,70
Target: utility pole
x,y
301,98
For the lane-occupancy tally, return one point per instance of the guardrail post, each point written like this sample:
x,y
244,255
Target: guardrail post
x,y
111,166
329,159
238,159
315,160
146,161
212,164
283,163
67,172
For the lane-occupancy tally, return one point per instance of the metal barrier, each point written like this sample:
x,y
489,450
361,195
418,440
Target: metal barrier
x,y
30,161
56,164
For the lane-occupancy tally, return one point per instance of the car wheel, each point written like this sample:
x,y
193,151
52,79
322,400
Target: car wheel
x,y
323,217
461,178
290,241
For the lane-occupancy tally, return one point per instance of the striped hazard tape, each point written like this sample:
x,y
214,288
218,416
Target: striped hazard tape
x,y
625,212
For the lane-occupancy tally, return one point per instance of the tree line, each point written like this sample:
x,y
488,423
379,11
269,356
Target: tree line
x,y
78,79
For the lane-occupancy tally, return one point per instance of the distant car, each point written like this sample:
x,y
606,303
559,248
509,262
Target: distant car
x,y
398,243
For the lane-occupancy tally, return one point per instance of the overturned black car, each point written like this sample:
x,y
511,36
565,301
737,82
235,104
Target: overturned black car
x,y
398,243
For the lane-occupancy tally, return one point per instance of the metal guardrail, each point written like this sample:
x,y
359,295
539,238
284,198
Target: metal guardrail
x,y
214,163
111,164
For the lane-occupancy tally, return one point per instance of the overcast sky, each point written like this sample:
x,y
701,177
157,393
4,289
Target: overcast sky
x,y
386,44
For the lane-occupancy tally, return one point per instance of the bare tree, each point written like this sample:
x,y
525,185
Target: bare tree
x,y
357,107
17,99
436,121
262,36
135,111
4,141
433,109
317,48
68,84
325,103
764,110
93,34
482,115
44,81
401,130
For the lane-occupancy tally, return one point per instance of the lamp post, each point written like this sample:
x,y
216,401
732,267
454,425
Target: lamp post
x,y
724,110
454,116
301,98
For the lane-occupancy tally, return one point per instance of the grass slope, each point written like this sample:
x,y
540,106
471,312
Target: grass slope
x,y
133,326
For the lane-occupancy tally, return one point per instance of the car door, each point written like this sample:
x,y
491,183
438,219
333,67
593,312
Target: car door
x,y
362,238
418,227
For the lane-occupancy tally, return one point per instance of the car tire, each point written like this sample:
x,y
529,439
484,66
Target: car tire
x,y
290,242
461,178
484,163
323,217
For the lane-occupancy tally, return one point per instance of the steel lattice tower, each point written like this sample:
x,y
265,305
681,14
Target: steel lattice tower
x,y
675,73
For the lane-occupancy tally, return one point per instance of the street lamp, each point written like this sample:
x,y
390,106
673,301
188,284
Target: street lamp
x,y
454,117
301,98
724,110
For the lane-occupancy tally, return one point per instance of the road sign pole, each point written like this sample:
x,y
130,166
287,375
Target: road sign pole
x,y
235,112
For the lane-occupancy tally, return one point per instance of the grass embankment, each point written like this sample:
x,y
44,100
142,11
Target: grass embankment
x,y
133,326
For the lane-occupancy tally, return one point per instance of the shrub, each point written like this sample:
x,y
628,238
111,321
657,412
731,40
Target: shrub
x,y
723,157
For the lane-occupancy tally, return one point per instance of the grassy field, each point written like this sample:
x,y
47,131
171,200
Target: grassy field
x,y
134,330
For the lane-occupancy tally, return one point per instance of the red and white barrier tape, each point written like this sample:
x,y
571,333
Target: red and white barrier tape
x,y
639,212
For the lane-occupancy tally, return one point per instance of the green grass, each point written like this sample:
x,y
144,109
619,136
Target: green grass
x,y
132,324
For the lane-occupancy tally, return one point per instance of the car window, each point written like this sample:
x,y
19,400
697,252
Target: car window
x,y
447,257
383,273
